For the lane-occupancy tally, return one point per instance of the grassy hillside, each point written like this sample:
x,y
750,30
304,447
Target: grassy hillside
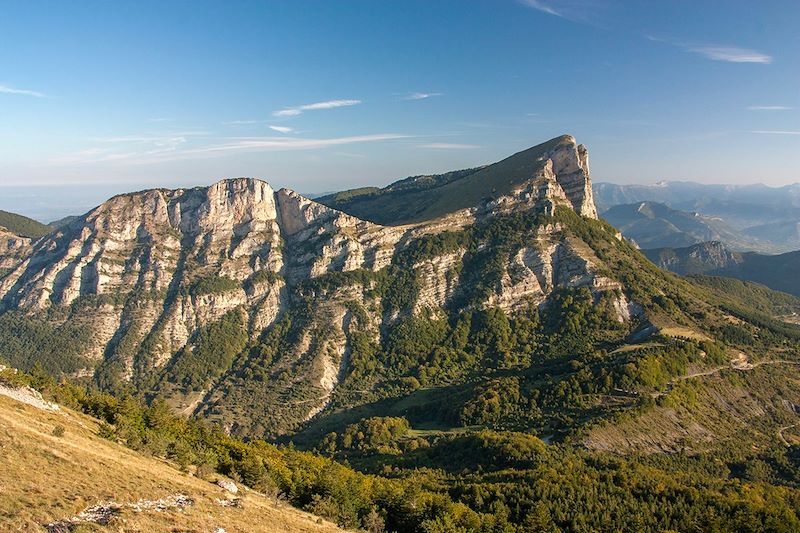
x,y
484,481
749,294
55,465
429,197
23,226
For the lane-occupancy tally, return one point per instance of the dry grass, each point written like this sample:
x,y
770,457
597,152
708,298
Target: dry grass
x,y
44,478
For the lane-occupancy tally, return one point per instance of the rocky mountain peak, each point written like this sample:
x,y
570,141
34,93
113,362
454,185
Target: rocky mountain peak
x,y
148,273
570,162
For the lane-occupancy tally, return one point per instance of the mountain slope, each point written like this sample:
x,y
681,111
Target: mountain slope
x,y
187,294
22,226
48,478
654,225
779,272
443,353
427,197
275,316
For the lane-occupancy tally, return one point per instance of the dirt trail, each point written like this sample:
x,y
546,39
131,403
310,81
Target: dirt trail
x,y
740,363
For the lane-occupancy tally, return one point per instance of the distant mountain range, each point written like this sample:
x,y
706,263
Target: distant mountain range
x,y
655,225
745,217
740,205
779,272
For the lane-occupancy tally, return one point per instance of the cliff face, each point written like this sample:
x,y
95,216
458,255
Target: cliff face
x,y
13,249
150,272
571,167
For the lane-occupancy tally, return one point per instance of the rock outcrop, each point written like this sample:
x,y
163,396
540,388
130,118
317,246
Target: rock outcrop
x,y
148,271
570,162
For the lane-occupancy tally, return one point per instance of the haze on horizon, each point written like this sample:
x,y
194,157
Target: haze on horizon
x,y
99,98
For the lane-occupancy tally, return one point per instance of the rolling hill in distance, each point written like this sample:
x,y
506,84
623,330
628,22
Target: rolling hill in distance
x,y
480,349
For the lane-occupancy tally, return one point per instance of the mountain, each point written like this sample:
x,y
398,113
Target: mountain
x,y
769,215
62,221
740,205
187,293
491,312
421,198
22,226
786,232
269,313
779,272
655,225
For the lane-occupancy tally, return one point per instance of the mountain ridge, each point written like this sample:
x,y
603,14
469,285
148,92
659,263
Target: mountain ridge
x,y
434,194
777,272
143,283
656,225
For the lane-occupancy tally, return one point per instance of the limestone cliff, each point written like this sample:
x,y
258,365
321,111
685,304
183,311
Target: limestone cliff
x,y
149,272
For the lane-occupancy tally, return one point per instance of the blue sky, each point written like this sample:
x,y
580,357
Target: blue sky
x,y
326,95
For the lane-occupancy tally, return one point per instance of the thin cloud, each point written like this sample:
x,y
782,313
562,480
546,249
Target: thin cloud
x,y
731,54
290,143
420,96
449,146
776,132
282,129
5,89
159,119
588,12
137,150
239,122
329,104
769,108
541,6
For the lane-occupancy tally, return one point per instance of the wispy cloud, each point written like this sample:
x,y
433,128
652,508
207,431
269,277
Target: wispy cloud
x,y
282,129
449,146
329,104
146,149
776,132
769,108
420,96
239,122
731,54
541,6
5,89
159,119
290,143
588,12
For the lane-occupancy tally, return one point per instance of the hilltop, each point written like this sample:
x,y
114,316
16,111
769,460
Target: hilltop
x,y
23,226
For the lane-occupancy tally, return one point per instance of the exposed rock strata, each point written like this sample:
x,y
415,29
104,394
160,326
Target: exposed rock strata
x,y
154,267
